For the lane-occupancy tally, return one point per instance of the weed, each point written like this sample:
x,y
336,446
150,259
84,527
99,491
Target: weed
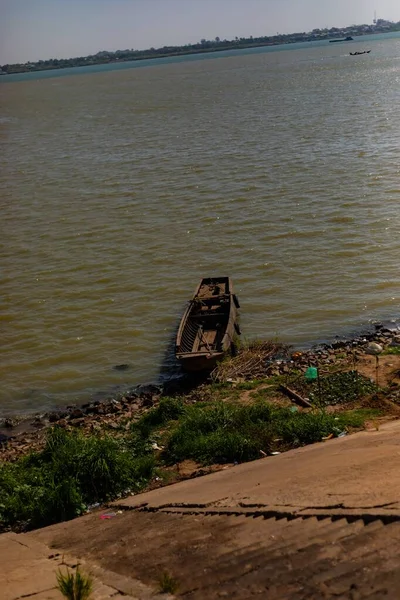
x,y
74,586
167,584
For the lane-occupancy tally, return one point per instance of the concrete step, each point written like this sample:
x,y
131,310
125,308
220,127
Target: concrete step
x,y
368,561
289,565
241,562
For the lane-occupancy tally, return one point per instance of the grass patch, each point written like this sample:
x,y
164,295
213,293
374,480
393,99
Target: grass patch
x,y
356,418
169,409
71,472
250,385
392,350
227,432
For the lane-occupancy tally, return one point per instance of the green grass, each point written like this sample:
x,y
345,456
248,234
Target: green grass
x,y
356,418
167,584
72,471
251,385
228,432
392,350
74,586
169,409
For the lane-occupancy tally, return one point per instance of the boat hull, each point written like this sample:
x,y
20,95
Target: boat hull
x,y
208,326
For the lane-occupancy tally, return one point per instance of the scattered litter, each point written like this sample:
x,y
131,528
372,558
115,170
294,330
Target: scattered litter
x,y
93,506
275,453
155,446
294,409
263,453
328,437
339,432
106,516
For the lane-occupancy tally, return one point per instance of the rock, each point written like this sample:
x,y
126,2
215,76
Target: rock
x,y
8,423
53,417
148,390
77,413
123,367
147,402
131,397
79,422
373,348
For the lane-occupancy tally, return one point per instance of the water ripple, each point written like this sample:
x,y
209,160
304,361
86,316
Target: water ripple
x,y
121,189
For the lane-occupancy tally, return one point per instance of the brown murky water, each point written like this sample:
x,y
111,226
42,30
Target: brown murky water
x,y
120,190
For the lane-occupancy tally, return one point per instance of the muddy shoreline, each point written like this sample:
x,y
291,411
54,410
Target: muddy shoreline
x,y
23,431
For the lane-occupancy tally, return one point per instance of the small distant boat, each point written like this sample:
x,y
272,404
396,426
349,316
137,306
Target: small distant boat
x,y
208,326
359,53
347,39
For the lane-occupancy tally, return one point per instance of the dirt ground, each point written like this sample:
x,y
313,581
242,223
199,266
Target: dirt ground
x,y
388,370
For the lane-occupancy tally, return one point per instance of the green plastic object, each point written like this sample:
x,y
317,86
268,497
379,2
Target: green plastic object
x,y
311,374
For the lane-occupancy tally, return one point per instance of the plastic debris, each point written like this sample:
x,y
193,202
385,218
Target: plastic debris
x,y
311,374
275,453
106,516
328,437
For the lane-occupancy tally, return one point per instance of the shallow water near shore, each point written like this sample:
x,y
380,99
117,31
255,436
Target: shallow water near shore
x,y
121,189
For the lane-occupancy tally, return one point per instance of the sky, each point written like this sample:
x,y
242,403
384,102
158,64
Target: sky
x,y
41,29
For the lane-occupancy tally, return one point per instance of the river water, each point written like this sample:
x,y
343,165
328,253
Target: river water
x,y
121,189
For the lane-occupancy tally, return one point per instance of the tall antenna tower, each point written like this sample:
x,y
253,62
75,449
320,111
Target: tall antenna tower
x,y
374,18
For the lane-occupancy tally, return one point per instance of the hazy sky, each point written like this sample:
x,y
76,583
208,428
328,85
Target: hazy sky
x,y
40,29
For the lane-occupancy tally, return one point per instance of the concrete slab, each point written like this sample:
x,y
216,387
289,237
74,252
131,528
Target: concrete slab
x,y
28,569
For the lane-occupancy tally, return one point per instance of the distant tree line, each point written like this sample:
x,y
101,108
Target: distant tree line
x,y
204,45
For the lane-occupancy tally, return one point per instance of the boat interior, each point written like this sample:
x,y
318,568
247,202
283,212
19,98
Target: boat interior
x,y
206,323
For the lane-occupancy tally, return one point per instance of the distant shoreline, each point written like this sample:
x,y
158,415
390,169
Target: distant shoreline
x,y
204,47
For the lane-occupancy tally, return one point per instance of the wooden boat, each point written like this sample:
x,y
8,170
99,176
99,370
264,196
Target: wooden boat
x,y
208,325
